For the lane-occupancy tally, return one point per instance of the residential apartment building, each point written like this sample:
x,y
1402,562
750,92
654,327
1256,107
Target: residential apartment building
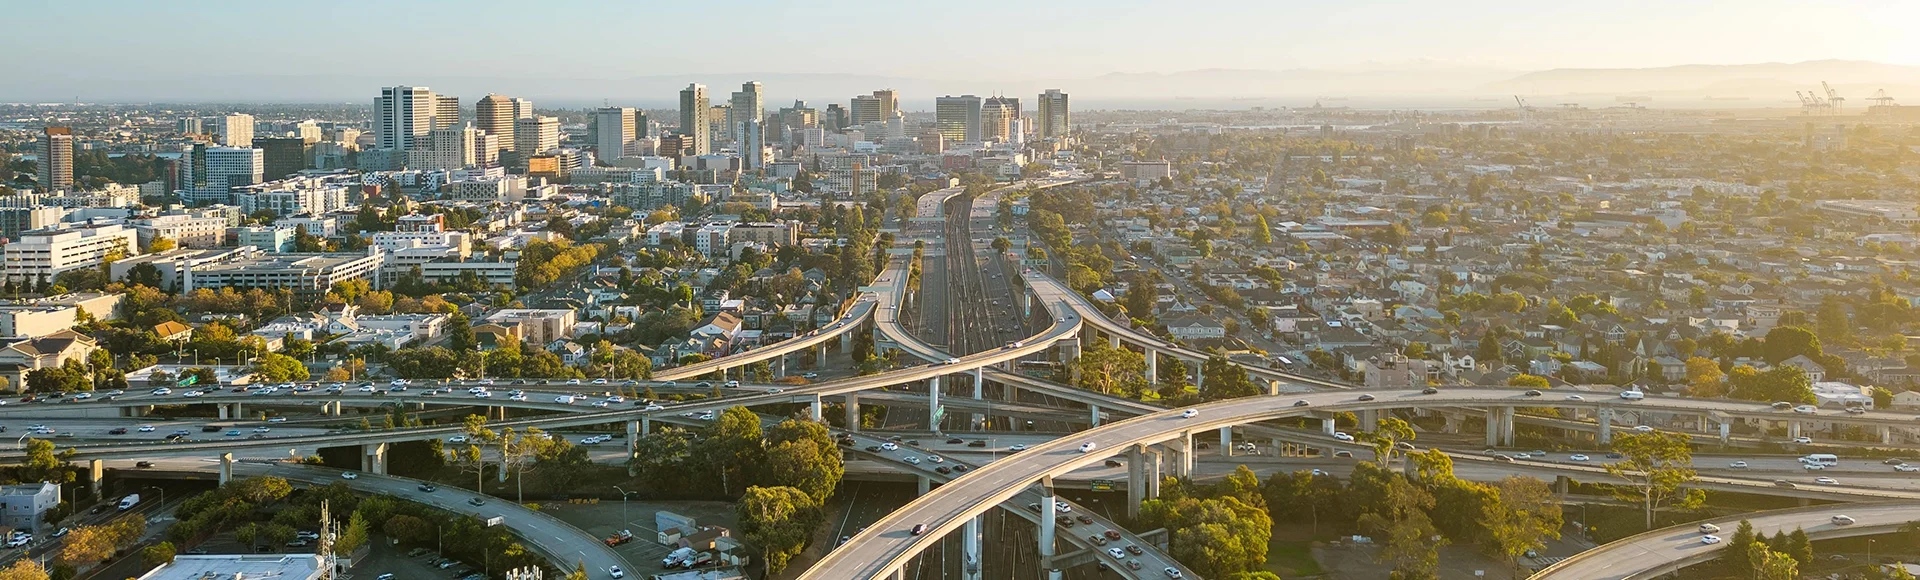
x,y
536,135
186,231
537,326
694,109
958,118
48,252
613,132
1056,117
54,159
307,274
272,239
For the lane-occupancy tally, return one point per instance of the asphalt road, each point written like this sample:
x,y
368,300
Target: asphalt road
x,y
1667,550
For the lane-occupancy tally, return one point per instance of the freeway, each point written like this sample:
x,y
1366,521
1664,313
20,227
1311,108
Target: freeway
x,y
848,322
887,545
1666,551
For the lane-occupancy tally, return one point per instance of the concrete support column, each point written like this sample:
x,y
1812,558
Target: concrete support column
x,y
846,344
96,474
1793,429
335,409
1226,442
970,549
1113,340
979,392
924,484
1703,423
1605,419
853,412
1199,374
814,409
1153,471
1726,433
1136,479
1026,304
1183,460
1506,426
1273,387
633,438
1327,425
225,411
1047,525
1369,420
1493,427
933,404
375,459
646,425
226,468
1093,415
1153,366
1069,350
1453,421
780,366
820,356
1886,434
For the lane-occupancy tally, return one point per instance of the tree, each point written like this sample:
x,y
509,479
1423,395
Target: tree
x,y
43,464
264,489
1528,514
279,367
802,455
155,555
160,244
1221,379
1528,381
1400,519
1262,233
1733,560
1785,342
1704,378
1108,369
1882,398
1771,565
354,537
1655,466
24,569
1217,537
1385,437
779,520
1800,547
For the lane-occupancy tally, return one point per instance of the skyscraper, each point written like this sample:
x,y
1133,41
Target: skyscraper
x,y
996,119
1056,119
446,111
235,130
748,103
753,141
55,159
282,156
495,114
874,108
403,115
694,108
958,118
613,132
536,135
834,118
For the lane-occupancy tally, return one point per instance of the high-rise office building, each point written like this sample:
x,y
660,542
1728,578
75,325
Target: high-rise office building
x,y
753,142
748,103
452,148
190,126
308,132
958,118
495,114
694,108
522,108
875,108
834,118
235,130
613,132
402,117
996,120
282,156
1056,118
210,174
536,135
54,160
446,111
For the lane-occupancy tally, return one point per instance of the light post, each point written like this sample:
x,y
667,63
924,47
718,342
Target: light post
x,y
624,494
163,494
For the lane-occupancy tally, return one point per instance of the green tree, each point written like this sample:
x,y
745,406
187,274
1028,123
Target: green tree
x,y
1400,520
1528,514
1221,379
1735,561
802,455
1771,565
1528,381
1109,369
779,520
43,464
1385,437
279,367
1785,342
155,555
1655,467
1800,547
1882,398
1262,233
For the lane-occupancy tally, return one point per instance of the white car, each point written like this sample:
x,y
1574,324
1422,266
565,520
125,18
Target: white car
x,y
1803,440
1189,413
1709,529
1709,539
616,572
349,475
1906,468
1805,409
1576,398
936,459
911,459
616,399
1017,447
1842,521
476,390
1826,481
1118,554
483,395
397,383
262,429
519,397
1578,457
192,394
82,396
1342,436
366,388
1812,466
162,391
890,446
1062,507
146,428
1172,572
1738,465
1087,447
457,439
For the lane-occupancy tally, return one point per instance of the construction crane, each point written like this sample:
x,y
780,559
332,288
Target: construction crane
x,y
1834,100
1880,98
1811,103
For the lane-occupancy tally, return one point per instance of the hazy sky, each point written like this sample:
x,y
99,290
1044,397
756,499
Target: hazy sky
x,y
106,40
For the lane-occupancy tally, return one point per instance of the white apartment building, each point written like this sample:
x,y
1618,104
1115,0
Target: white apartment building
x,y
321,226
186,231
48,252
481,190
303,273
274,239
452,148
317,200
392,241
235,130
713,240
210,174
495,273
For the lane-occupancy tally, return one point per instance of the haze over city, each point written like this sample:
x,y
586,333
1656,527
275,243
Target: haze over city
x,y
1069,290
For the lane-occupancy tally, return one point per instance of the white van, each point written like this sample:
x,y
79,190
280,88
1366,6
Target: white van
x,y
1821,459
128,502
1632,395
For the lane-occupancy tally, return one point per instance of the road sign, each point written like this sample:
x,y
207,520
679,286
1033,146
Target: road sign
x,y
1102,485
187,381
939,413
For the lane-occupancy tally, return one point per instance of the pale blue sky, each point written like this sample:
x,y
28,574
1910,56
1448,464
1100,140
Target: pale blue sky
x,y
79,43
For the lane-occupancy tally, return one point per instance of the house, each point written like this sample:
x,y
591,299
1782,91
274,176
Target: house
x,y
174,332
1191,328
1396,371
1815,372
570,352
1906,400
1672,370
22,355
723,325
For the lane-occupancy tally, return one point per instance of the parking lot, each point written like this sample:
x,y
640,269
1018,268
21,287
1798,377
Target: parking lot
x,y
605,518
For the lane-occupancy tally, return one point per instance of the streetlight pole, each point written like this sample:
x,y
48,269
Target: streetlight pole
x,y
624,494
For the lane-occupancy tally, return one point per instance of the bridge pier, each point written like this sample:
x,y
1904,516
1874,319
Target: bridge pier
x,y
646,425
374,459
852,406
96,475
970,547
1452,424
633,441
1493,427
1047,526
224,411
1026,304
1726,432
1199,374
1093,415
1136,479
1506,426
1369,419
226,468
1183,456
780,366
933,404
1605,419
924,484
1153,366
979,390
1886,434
1069,350
1327,425
820,356
1793,429
1273,386
1226,442
814,409
846,344
239,411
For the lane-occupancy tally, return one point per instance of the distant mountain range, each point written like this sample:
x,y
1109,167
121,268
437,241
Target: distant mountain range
x,y
1408,85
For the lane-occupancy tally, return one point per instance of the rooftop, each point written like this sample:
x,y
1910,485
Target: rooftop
x,y
236,567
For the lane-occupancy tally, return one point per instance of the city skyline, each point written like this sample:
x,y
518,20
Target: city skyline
x,y
1484,41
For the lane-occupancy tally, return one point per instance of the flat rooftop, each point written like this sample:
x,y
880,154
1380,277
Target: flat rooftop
x,y
230,567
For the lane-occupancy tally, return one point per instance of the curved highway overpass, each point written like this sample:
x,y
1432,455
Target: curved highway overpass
x,y
1667,550
886,545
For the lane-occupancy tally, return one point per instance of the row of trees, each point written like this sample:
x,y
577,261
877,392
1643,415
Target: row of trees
x,y
558,462
735,452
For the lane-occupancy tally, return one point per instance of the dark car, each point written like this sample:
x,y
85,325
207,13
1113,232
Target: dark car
x,y
943,470
427,487
1893,461
955,441
1064,521
977,443
476,501
1301,403
1135,550
873,449
1366,397
209,429
117,431
1533,392
1111,535
1614,456
1034,506
919,529
960,468
1429,391
1084,518
144,465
